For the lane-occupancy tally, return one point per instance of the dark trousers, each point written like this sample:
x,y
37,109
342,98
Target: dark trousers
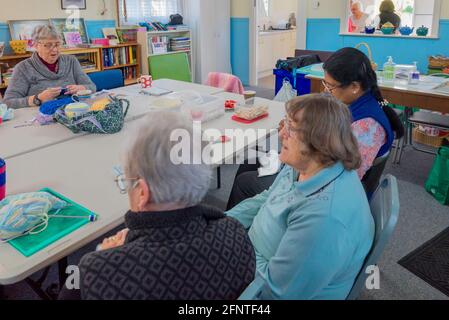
x,y
247,184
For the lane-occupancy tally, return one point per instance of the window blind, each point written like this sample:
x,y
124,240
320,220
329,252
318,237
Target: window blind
x,y
134,11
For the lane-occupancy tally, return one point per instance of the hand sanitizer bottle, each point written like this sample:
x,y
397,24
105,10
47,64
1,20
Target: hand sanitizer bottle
x,y
388,75
415,75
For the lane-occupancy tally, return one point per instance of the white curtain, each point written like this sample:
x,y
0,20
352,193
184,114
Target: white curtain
x,y
135,11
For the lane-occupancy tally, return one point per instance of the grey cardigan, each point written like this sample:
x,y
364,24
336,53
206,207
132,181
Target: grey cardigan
x,y
31,77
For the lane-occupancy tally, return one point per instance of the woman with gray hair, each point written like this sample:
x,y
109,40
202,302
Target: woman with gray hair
x,y
42,77
174,247
313,229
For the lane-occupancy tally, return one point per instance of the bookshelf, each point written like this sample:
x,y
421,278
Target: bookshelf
x,y
125,57
167,42
91,60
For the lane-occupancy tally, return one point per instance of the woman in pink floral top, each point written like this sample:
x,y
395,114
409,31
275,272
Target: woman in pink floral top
x,y
350,78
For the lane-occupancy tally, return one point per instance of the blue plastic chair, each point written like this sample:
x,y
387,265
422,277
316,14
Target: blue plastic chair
x,y
385,210
108,79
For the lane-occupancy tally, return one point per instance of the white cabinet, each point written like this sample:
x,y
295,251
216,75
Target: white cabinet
x,y
272,47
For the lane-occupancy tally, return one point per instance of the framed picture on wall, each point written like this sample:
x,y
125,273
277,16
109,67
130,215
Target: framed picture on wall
x,y
23,29
69,4
63,25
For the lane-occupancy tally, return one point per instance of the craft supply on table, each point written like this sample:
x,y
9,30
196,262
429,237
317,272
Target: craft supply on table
x,y
50,107
76,109
64,217
6,113
230,105
100,105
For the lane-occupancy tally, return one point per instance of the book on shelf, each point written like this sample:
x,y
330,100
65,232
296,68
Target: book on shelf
x,y
159,44
129,73
119,56
180,44
111,34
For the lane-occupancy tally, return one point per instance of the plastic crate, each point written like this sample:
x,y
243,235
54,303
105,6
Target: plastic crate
x,y
301,84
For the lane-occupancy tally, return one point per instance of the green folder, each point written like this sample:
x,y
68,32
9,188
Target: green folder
x,y
57,227
173,66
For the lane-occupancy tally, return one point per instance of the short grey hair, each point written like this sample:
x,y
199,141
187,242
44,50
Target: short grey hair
x,y
45,32
148,156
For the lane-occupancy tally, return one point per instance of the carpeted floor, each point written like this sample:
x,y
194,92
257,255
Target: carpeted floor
x,y
421,218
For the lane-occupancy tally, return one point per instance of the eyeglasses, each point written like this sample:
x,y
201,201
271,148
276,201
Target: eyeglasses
x,y
329,88
50,45
288,127
123,182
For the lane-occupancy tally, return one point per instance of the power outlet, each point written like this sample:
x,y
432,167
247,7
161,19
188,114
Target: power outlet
x,y
315,4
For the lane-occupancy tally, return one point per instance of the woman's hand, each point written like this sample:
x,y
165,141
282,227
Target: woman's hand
x,y
114,242
49,94
74,89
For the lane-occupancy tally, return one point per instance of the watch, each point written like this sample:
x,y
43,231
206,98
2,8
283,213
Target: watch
x,y
37,101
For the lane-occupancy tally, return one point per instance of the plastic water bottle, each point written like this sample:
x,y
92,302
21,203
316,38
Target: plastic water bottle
x,y
388,75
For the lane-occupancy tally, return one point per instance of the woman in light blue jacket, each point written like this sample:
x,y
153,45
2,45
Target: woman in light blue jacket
x,y
313,229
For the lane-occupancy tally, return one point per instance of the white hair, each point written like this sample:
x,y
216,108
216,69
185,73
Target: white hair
x,y
45,32
359,4
147,156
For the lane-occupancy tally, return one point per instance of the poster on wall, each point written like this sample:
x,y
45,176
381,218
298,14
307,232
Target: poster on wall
x,y
63,25
69,4
23,30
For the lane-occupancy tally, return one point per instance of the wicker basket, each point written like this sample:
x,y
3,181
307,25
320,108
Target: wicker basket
x,y
370,55
438,62
421,137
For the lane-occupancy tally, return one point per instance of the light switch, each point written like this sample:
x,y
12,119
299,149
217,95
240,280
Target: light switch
x,y
315,4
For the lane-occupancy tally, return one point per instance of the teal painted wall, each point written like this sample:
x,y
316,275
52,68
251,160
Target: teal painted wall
x,y
240,48
323,34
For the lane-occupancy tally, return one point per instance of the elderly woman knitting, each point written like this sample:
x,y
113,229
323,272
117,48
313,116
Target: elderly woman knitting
x,y
173,247
42,77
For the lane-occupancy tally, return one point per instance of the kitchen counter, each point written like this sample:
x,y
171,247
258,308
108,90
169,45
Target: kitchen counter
x,y
274,32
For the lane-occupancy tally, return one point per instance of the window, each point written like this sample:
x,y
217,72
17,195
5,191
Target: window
x,y
135,11
412,13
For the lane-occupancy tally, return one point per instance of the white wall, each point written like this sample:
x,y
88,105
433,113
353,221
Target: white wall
x,y
45,9
281,9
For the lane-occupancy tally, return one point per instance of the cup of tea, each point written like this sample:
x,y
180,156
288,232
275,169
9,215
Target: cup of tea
x,y
2,179
249,96
146,81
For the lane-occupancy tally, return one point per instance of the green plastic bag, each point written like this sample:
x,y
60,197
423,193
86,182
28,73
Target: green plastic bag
x,y
438,182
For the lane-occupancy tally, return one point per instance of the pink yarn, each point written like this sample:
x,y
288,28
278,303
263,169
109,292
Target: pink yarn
x,y
227,82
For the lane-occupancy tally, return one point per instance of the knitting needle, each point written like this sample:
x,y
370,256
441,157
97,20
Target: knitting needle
x,y
91,217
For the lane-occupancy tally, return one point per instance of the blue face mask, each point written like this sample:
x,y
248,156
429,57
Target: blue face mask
x,y
26,214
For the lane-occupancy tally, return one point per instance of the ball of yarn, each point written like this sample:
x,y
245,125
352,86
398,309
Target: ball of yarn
x,y
100,105
50,107
76,109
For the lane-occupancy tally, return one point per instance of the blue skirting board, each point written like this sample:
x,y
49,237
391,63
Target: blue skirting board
x,y
323,34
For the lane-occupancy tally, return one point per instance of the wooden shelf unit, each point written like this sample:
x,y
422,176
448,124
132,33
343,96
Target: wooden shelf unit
x,y
94,55
144,39
134,64
86,54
